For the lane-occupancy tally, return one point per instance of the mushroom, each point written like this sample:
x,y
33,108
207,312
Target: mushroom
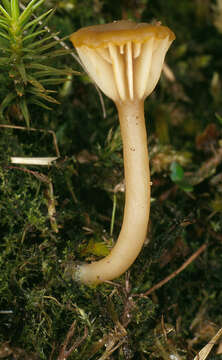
x,y
125,60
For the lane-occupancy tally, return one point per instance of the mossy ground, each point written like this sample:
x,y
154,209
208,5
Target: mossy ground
x,y
38,305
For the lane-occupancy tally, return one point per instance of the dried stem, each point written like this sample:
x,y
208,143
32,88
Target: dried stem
x,y
64,352
175,273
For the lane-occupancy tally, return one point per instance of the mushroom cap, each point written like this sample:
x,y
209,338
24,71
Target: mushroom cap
x,y
119,32
124,58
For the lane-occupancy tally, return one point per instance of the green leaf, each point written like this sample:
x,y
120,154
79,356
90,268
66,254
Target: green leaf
x,y
6,101
49,70
53,81
3,18
56,53
95,248
39,66
43,96
185,186
177,176
19,88
38,4
25,111
40,42
48,46
41,58
4,24
22,71
37,20
26,14
4,35
36,84
30,36
177,172
5,48
3,61
15,9
7,6
40,23
40,103
4,12
219,118
47,18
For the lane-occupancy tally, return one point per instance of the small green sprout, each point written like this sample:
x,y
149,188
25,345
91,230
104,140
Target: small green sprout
x,y
177,176
26,49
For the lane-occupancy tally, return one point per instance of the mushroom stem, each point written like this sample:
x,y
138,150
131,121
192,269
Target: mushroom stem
x,y
137,200
125,60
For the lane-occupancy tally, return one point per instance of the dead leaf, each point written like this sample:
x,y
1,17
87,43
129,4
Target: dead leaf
x,y
202,355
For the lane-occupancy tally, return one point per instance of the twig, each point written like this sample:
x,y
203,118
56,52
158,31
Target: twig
x,y
38,175
54,299
215,235
42,161
107,353
168,73
64,352
175,273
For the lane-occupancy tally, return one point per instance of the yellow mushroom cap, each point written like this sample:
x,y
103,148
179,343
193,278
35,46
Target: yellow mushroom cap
x,y
124,58
119,32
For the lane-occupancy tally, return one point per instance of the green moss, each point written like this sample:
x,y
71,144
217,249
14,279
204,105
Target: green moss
x,y
38,306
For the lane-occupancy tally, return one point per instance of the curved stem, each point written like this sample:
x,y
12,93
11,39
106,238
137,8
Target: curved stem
x,y
137,202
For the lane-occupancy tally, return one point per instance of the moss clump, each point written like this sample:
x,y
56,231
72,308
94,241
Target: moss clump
x,y
42,315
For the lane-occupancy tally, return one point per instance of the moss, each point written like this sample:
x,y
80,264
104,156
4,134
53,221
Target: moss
x,y
39,308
